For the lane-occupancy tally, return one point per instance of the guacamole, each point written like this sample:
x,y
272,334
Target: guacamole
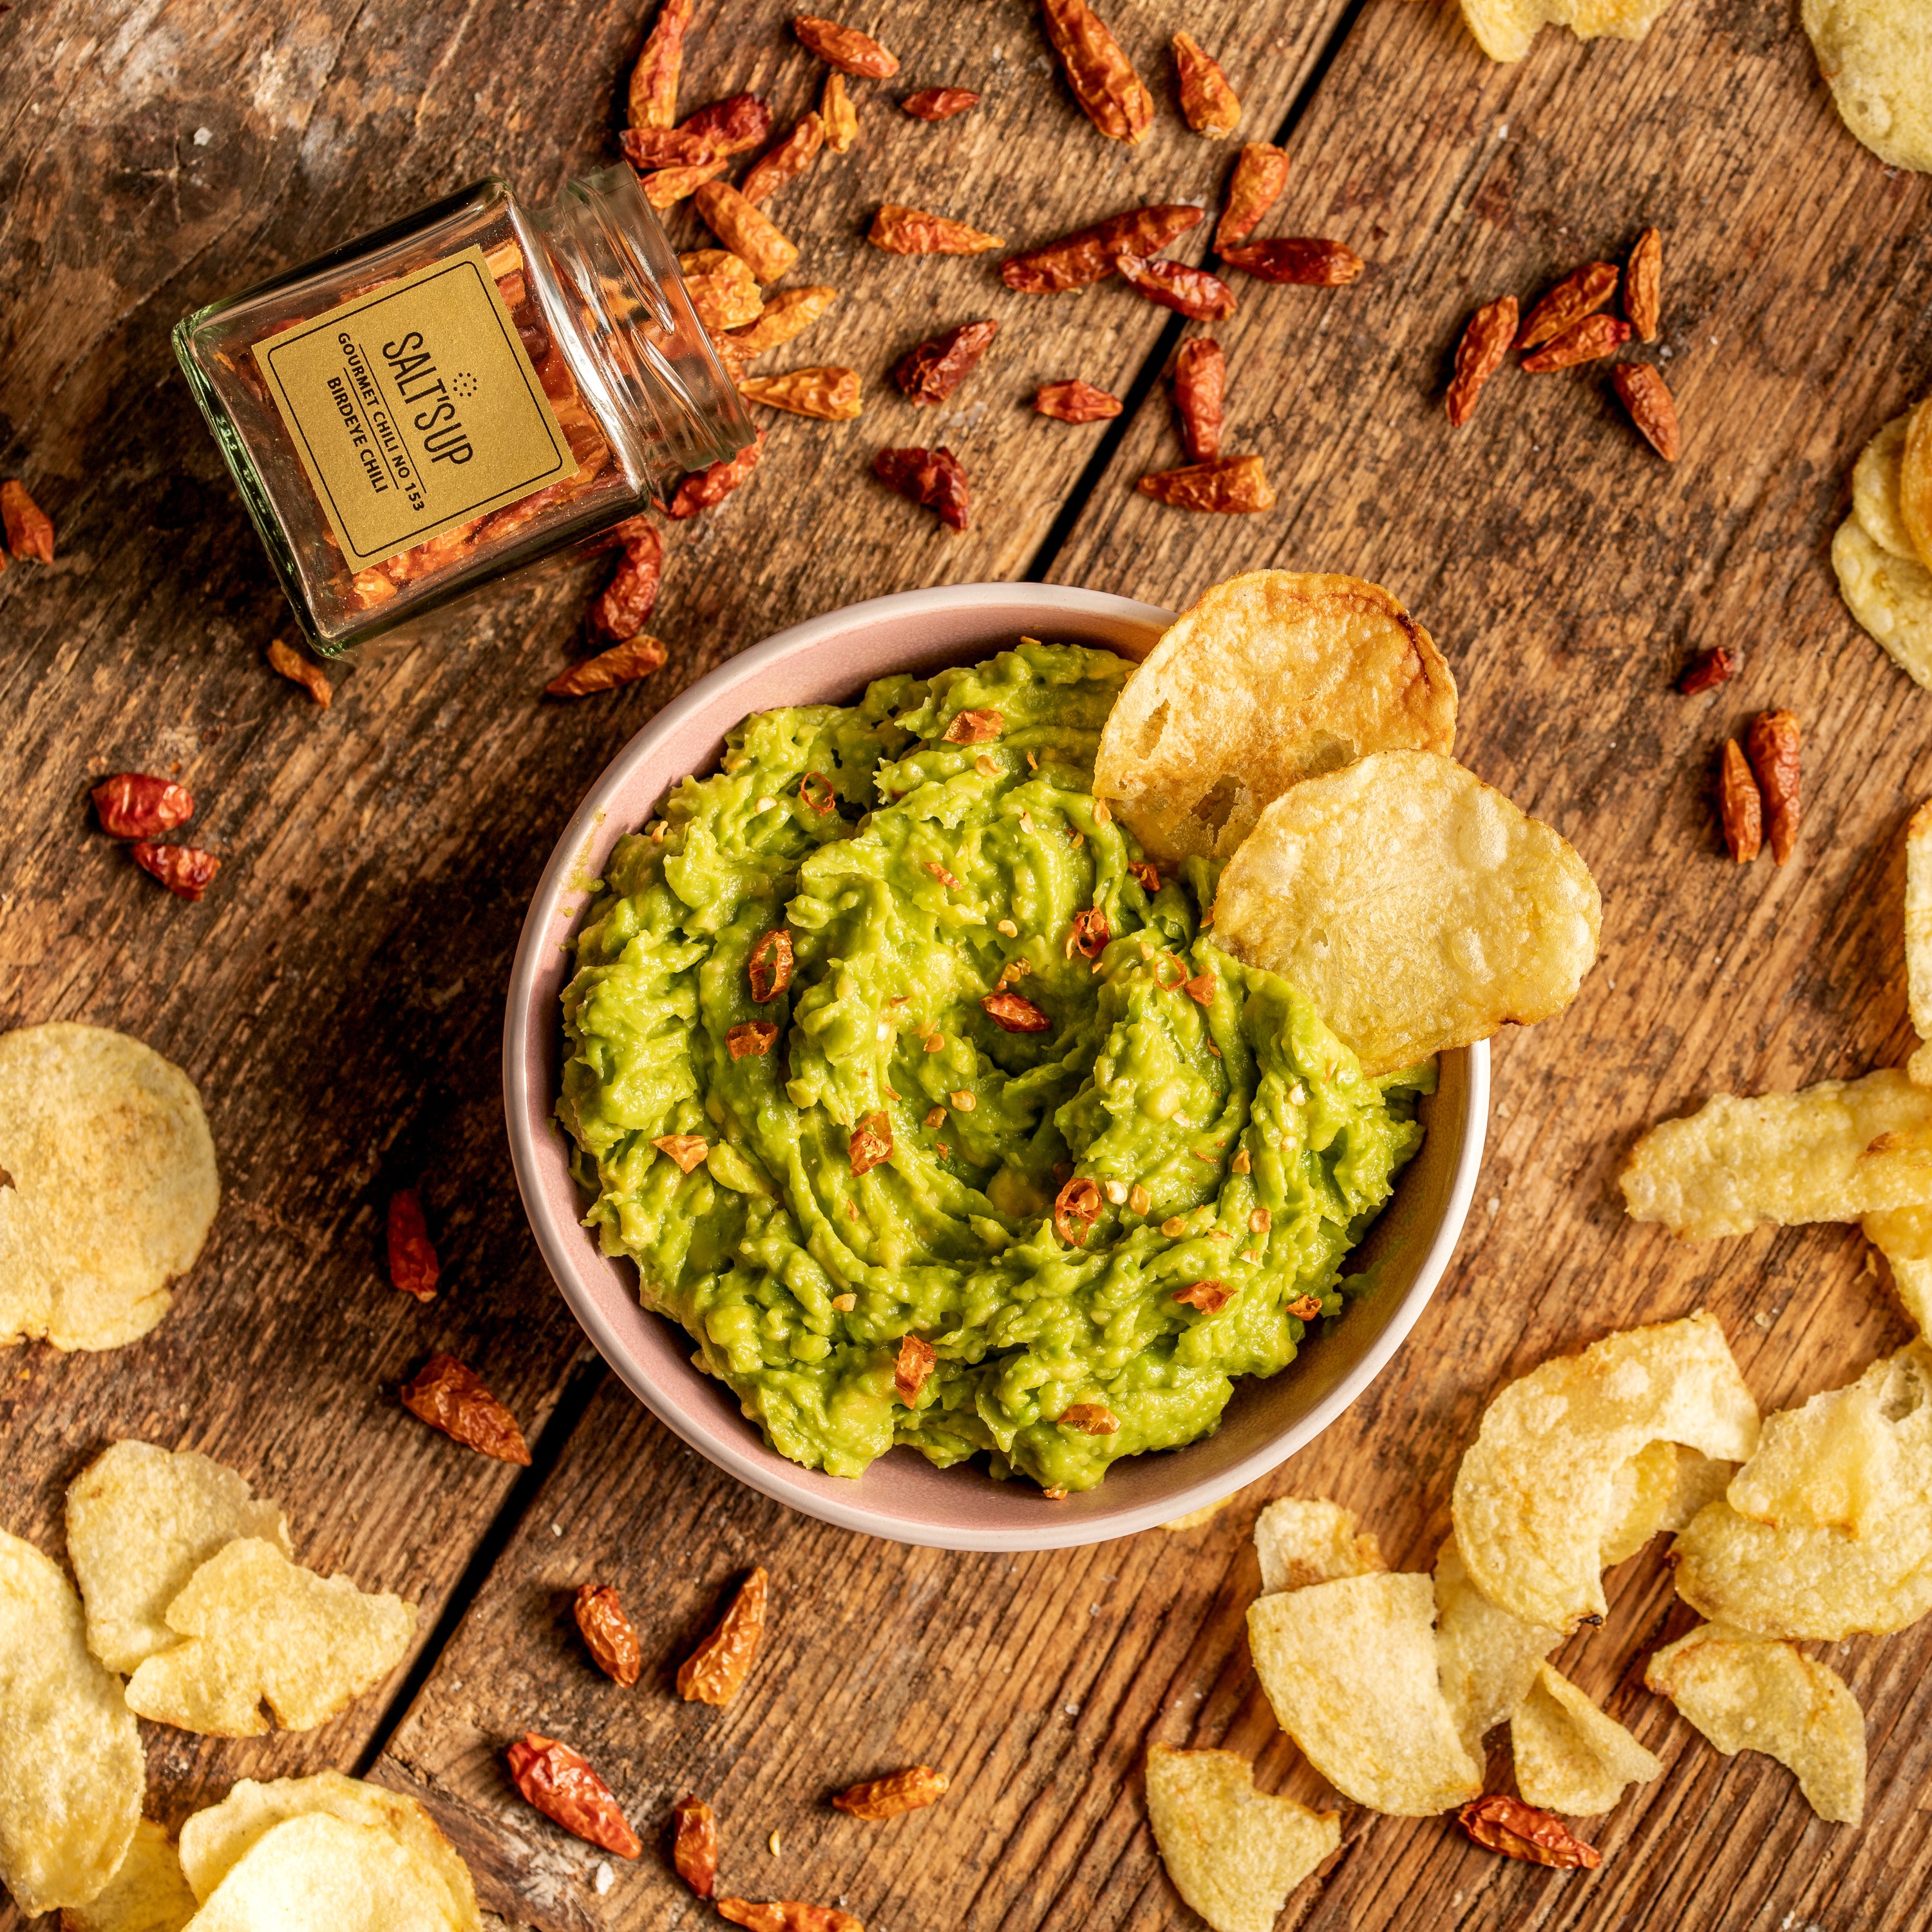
x,y
1014,1159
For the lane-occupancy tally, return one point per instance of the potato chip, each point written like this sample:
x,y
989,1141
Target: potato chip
x,y
261,1630
1875,491
1915,465
1804,1580
148,1893
1918,920
1640,1493
110,1187
1891,597
1903,1235
1832,1465
1535,1494
1876,55
71,1765
1570,1756
321,1873
1751,1695
1313,1541
1419,909
1270,679
213,1840
1504,28
1234,1853
1833,1152
1350,1669
1487,1659
140,1521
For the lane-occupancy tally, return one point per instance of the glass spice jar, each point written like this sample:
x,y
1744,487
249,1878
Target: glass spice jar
x,y
476,388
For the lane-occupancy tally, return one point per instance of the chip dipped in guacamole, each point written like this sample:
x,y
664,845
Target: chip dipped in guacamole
x,y
923,1101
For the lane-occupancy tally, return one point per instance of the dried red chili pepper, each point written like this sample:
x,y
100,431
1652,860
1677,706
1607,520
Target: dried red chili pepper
x,y
1207,100
1147,873
917,1357
818,794
911,231
786,162
623,607
769,968
1308,261
1200,394
734,126
1193,292
871,1141
451,1397
1090,255
133,805
1480,354
939,104
635,659
930,374
413,1267
298,670
931,477
844,48
836,114
706,489
652,99
786,1915
1771,744
607,1634
1111,94
789,313
1210,1296
1643,285
1740,805
715,1672
185,870
1075,402
1075,1208
1501,1823
747,232
751,1039
1707,669
30,530
664,187
829,393
1200,989
1260,173
1574,298
974,727
695,1849
1646,395
878,1798
561,1784
1595,336
1090,934
1012,1014
1230,486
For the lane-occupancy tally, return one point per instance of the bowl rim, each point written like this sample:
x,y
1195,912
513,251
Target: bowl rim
x,y
528,1115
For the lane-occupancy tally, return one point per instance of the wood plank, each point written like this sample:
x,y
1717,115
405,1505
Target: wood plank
x,y
337,997
1569,576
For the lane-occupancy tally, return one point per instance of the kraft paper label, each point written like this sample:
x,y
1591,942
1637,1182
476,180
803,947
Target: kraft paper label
x,y
414,408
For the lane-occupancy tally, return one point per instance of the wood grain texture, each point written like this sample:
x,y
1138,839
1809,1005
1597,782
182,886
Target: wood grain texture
x,y
338,996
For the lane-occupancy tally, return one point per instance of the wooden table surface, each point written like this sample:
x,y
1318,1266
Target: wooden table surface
x,y
337,997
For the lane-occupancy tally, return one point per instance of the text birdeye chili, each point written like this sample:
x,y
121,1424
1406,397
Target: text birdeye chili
x,y
414,407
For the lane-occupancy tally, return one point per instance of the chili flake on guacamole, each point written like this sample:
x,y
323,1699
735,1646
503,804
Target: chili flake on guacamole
x,y
1099,1197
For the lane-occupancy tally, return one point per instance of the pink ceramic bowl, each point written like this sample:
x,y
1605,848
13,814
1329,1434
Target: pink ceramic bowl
x,y
902,1496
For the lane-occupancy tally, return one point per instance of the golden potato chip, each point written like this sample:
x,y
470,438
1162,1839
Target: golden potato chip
x,y
1877,55
1504,28
259,1630
1903,1235
213,1841
71,1765
1914,460
1417,908
1753,1695
148,1893
1833,1152
1350,1669
1570,1756
1640,1494
1701,1480
320,1873
1832,1465
1234,1853
140,1521
1803,1580
1487,1659
1891,597
1918,920
110,1186
1313,1541
1270,678
1534,1495
1875,491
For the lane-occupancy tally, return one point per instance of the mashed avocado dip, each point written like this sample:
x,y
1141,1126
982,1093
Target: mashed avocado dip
x,y
1012,1102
